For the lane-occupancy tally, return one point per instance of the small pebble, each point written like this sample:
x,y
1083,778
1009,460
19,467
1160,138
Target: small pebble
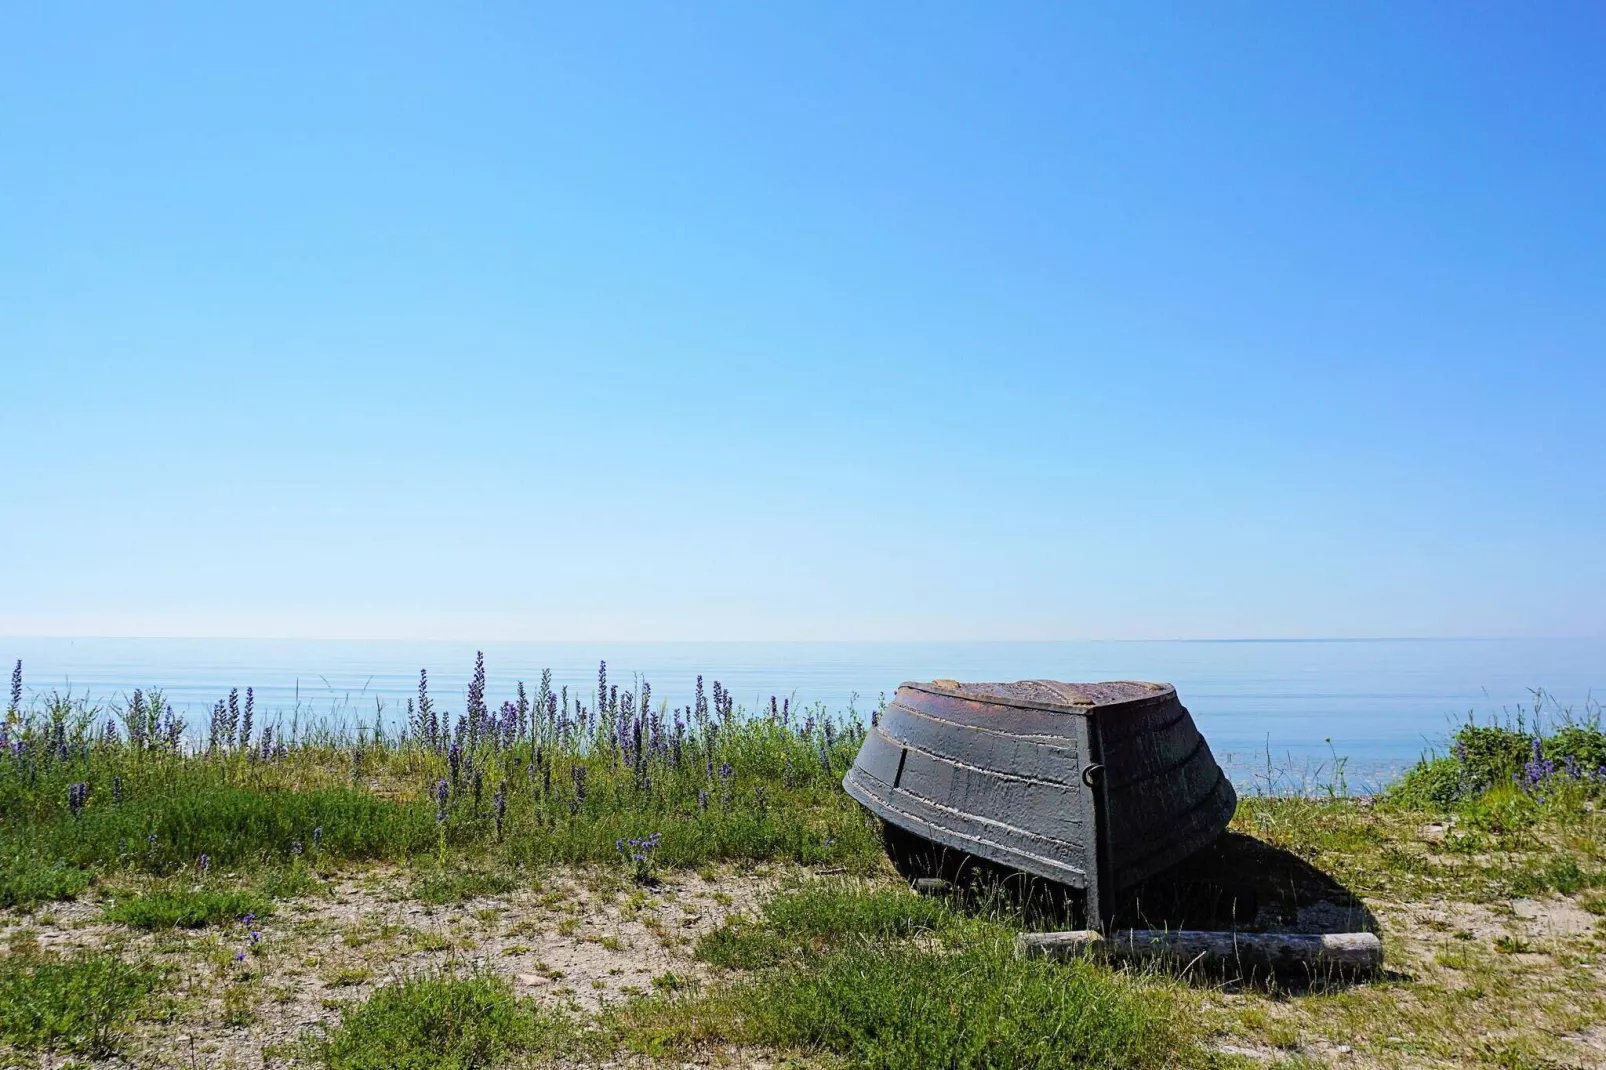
x,y
1343,1049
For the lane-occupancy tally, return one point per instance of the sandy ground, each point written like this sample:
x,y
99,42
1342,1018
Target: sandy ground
x,y
576,940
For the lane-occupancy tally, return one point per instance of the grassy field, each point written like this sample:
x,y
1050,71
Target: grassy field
x,y
565,881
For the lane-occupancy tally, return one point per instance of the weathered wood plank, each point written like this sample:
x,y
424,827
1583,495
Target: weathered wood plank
x,y
1279,952
1052,758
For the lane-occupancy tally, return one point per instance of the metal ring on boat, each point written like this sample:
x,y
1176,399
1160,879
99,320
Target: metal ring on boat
x,y
1091,774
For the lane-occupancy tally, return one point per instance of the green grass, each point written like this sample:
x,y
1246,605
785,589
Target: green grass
x,y
73,1004
26,880
446,1021
289,882
900,1007
439,887
800,925
1509,837
723,786
885,980
188,908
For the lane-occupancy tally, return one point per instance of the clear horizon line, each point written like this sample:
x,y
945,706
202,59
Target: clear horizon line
x,y
591,641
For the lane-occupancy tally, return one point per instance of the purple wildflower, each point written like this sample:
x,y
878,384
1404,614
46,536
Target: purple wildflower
x,y
639,851
512,720
477,712
429,726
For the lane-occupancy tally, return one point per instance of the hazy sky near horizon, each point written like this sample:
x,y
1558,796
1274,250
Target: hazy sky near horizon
x,y
794,321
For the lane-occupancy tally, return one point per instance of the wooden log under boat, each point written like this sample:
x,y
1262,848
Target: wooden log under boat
x,y
1278,952
1094,786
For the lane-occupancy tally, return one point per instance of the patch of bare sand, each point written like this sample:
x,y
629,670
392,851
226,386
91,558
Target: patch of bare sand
x,y
575,939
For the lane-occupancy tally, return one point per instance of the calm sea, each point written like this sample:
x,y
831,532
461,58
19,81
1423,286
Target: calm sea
x,y
1289,706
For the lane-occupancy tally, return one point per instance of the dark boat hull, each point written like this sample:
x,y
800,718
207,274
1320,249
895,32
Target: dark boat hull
x,y
1095,786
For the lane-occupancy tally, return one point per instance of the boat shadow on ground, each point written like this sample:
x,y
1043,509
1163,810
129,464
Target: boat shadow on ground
x,y
1237,883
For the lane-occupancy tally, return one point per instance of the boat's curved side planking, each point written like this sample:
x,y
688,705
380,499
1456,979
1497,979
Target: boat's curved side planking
x,y
1096,795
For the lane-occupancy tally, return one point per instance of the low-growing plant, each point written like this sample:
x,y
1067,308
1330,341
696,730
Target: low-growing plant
x,y
26,880
437,887
289,882
76,1004
441,1021
815,918
187,908
637,853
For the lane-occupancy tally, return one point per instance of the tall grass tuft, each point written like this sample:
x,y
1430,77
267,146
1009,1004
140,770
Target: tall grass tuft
x,y
441,1022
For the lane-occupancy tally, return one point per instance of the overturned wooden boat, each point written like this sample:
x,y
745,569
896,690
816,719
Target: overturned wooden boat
x,y
1093,786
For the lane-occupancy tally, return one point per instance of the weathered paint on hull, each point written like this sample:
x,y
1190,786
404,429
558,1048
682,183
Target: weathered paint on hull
x,y
1096,786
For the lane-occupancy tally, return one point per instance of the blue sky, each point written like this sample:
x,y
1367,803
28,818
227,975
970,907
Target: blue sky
x,y
793,321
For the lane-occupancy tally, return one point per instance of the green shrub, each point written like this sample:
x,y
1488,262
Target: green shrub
x,y
446,1022
76,1004
1584,744
1491,754
185,908
1488,759
1431,784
